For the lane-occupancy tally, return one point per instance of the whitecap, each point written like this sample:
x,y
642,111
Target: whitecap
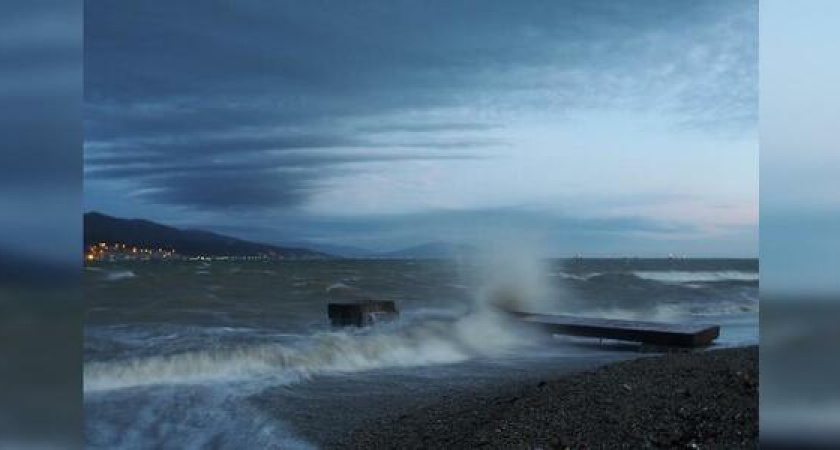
x,y
680,277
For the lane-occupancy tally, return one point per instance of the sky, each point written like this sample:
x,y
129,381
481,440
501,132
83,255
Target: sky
x,y
595,127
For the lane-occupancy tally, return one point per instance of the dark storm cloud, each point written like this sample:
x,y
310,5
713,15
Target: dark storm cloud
x,y
230,189
209,82
277,164
245,145
268,180
426,127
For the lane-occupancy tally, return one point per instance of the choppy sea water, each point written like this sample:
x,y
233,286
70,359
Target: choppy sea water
x,y
175,351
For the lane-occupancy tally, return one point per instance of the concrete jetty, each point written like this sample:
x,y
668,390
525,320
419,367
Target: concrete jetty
x,y
653,333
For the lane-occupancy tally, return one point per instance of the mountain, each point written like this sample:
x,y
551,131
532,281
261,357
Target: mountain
x,y
345,251
145,233
431,250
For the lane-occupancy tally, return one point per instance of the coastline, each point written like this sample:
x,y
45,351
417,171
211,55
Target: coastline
x,y
690,400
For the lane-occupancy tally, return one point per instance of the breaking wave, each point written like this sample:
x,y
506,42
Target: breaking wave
x,y
119,275
696,277
574,276
669,312
666,276
428,342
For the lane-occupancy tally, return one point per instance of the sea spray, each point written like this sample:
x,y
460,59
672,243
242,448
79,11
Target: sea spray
x,y
515,278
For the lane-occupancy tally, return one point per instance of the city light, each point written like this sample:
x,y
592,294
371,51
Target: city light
x,y
104,251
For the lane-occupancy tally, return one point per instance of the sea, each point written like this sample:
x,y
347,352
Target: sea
x,y
241,354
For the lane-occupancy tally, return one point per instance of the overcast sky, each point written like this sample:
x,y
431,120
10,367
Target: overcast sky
x,y
608,128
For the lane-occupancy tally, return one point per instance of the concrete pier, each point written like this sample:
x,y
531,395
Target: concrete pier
x,y
653,333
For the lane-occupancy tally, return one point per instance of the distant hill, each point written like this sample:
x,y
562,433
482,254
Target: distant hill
x,y
431,250
345,251
145,233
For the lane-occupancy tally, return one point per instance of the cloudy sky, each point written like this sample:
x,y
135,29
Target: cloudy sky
x,y
606,128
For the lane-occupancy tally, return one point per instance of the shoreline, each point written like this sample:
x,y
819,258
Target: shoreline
x,y
692,400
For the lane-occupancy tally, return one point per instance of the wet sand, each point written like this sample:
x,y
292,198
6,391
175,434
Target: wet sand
x,y
682,400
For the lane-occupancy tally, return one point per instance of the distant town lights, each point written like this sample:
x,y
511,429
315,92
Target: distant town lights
x,y
121,251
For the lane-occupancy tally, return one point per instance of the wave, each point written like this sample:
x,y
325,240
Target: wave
x,y
574,276
217,416
680,277
119,275
339,286
665,276
674,312
426,343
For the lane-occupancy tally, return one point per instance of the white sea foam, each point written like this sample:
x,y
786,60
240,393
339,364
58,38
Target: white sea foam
x,y
194,417
338,285
429,342
696,277
674,312
574,276
119,275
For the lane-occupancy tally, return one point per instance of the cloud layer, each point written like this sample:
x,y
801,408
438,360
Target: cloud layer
x,y
212,106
